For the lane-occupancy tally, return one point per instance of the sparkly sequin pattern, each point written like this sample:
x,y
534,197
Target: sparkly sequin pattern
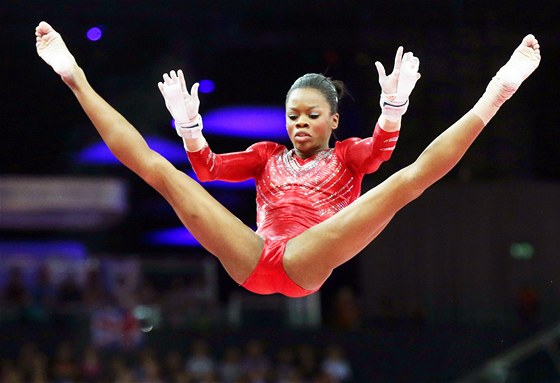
x,y
292,196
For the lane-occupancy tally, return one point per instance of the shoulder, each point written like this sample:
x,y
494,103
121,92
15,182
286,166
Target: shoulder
x,y
267,147
340,147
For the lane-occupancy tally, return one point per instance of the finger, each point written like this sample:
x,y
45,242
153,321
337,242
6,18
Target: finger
x,y
160,86
173,75
408,57
182,81
167,79
380,70
398,59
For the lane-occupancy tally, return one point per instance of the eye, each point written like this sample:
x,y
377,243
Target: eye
x,y
292,117
314,116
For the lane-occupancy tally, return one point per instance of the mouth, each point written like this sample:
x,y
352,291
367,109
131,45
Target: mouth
x,y
302,137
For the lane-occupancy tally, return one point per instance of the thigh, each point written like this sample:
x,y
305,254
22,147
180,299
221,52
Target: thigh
x,y
220,232
311,256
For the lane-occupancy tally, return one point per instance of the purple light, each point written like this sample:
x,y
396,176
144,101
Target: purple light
x,y
256,122
43,250
172,237
99,154
94,34
206,86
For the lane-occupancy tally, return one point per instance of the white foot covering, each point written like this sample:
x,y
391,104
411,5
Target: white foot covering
x,y
52,49
524,60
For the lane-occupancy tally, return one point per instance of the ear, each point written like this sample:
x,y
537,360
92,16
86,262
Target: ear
x,y
334,121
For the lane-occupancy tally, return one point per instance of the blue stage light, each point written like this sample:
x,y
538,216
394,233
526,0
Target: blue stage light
x,y
255,122
206,86
172,237
99,154
94,33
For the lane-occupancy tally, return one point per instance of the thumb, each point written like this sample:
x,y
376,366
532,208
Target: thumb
x,y
160,86
194,90
380,70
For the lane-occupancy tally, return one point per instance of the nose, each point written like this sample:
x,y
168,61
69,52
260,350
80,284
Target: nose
x,y
301,122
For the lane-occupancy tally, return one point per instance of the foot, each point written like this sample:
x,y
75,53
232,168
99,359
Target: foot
x,y
524,60
52,49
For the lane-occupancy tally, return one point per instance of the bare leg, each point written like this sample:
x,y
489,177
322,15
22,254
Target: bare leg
x,y
310,258
236,245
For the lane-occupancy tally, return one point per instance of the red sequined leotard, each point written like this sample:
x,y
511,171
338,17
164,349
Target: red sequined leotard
x,y
294,194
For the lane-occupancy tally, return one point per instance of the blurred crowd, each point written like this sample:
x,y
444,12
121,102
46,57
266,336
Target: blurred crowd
x,y
253,362
117,348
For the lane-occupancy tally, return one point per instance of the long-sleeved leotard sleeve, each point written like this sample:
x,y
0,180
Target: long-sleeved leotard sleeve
x,y
232,167
361,155
366,155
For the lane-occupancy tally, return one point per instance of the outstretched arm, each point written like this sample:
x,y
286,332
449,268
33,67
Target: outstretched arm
x,y
124,141
367,155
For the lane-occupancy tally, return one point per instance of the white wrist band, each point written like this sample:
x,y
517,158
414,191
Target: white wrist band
x,y
192,130
392,109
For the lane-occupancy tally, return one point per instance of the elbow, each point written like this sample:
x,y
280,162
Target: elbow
x,y
204,176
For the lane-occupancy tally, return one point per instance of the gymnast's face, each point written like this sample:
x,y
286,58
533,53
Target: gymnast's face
x,y
309,121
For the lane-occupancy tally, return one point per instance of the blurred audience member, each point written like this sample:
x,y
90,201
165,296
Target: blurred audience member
x,y
199,363
229,367
15,293
346,314
64,366
336,365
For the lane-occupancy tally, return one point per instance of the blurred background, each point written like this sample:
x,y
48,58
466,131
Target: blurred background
x,y
99,282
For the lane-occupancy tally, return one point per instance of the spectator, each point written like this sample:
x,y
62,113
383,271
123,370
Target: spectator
x,y
173,365
64,366
285,367
43,296
91,366
230,368
336,365
347,314
150,371
15,294
69,292
10,373
308,361
256,361
200,363
95,294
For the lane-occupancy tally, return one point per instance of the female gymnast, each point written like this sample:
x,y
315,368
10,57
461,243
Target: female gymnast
x,y
310,216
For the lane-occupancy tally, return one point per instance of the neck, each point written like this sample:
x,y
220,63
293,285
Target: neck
x,y
305,155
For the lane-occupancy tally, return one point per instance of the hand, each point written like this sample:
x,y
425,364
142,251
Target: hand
x,y
407,77
389,83
397,87
182,105
399,84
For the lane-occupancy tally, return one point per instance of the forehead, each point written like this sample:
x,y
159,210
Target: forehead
x,y
306,96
